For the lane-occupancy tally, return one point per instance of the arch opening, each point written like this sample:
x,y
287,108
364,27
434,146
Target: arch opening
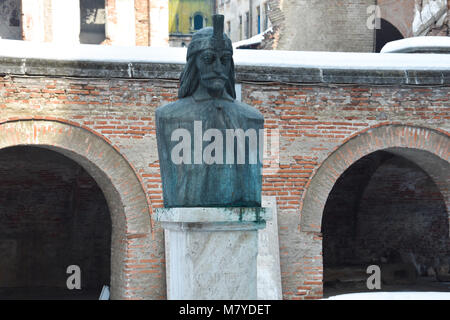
x,y
386,33
123,191
387,209
52,215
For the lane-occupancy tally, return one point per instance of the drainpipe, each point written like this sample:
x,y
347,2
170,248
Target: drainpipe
x,y
149,36
375,32
250,18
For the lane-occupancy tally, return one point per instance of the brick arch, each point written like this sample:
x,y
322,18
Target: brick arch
x,y
398,13
427,148
127,201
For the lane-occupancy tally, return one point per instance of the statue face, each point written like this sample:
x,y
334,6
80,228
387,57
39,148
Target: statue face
x,y
214,68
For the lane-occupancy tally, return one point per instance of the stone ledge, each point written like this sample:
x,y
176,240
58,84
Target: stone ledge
x,y
213,215
256,73
90,61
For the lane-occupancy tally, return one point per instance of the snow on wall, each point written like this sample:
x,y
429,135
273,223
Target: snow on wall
x,y
422,43
269,58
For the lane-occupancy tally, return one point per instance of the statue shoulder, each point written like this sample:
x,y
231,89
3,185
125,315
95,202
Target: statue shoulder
x,y
172,108
249,111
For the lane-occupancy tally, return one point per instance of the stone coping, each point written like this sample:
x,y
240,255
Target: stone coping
x,y
244,73
213,214
88,61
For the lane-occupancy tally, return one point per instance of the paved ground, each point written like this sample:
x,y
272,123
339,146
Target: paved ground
x,y
47,294
408,295
424,284
425,289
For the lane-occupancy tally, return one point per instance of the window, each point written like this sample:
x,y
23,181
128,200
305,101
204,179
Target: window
x,y
14,19
198,21
240,27
10,19
266,16
258,21
247,25
92,21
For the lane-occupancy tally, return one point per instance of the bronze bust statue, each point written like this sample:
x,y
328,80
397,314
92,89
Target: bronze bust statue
x,y
209,144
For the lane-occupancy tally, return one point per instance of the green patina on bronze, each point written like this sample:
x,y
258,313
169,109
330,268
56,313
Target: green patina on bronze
x,y
207,94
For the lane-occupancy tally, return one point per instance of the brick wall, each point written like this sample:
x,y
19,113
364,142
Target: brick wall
x,y
315,25
400,14
314,121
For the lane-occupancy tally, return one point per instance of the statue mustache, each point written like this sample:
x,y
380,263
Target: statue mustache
x,y
211,76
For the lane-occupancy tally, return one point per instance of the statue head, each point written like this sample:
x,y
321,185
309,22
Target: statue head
x,y
209,62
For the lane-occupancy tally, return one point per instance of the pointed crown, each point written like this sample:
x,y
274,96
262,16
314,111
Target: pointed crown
x,y
210,38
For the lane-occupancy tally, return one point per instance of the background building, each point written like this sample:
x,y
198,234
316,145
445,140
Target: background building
x,y
337,25
186,17
314,25
245,18
10,22
114,22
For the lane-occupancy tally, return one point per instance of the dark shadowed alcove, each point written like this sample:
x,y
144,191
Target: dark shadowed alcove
x,y
385,210
385,34
52,215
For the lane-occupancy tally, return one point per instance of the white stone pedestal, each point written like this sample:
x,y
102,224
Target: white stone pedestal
x,y
212,252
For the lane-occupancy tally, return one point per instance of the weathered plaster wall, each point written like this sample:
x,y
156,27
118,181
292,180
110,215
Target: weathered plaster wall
x,y
127,22
343,25
233,10
333,25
